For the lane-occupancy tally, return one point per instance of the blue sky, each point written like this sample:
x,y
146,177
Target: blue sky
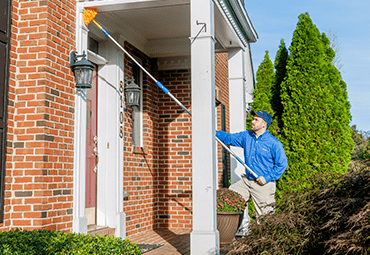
x,y
348,19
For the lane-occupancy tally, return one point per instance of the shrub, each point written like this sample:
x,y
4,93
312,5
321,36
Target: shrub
x,y
42,242
362,145
332,217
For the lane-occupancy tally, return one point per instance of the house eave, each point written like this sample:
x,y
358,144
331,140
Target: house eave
x,y
239,20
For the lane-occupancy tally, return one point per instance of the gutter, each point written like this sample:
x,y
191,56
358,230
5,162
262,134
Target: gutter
x,y
239,19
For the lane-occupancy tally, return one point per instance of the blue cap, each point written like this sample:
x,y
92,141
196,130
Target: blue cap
x,y
264,115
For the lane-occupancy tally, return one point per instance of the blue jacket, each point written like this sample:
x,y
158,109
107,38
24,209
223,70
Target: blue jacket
x,y
264,155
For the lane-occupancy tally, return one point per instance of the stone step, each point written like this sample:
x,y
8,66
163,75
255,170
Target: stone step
x,y
100,230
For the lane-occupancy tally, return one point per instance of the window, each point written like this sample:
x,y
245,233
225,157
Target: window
x,y
93,45
5,15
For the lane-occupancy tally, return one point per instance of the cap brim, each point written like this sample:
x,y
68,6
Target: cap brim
x,y
254,113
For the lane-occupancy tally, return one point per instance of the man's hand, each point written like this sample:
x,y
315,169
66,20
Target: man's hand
x,y
261,180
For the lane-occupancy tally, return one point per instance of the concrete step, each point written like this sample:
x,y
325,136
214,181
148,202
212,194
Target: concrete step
x,y
100,230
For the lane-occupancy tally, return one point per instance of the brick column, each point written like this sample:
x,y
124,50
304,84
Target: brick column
x,y
40,154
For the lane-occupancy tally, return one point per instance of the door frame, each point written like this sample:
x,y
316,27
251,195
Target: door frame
x,y
92,125
110,182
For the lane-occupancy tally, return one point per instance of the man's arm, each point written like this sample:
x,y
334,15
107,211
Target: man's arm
x,y
230,139
280,163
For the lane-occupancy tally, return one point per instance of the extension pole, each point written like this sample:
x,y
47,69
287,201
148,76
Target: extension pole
x,y
165,90
237,158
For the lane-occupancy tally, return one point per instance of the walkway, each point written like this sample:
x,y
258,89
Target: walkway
x,y
175,242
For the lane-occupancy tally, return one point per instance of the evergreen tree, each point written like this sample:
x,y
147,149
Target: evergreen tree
x,y
263,91
281,59
316,116
340,108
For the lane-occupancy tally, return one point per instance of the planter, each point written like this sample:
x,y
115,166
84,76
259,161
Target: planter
x,y
227,225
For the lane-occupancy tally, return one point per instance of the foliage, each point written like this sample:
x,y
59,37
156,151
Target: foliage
x,y
335,45
229,201
263,91
281,59
42,242
332,217
316,133
362,145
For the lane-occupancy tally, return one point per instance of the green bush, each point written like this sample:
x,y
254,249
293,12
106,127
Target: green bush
x,y
42,242
332,217
362,142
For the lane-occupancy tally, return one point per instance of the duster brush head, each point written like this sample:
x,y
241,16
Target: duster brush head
x,y
88,16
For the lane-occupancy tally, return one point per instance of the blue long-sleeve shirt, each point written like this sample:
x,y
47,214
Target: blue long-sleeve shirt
x,y
264,155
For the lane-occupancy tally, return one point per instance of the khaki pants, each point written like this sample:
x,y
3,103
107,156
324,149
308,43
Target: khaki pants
x,y
263,197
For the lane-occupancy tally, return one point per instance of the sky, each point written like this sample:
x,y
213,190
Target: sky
x,y
349,20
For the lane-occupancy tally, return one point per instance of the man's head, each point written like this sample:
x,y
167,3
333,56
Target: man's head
x,y
261,121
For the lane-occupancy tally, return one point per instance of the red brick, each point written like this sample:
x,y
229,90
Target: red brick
x,y
22,223
21,208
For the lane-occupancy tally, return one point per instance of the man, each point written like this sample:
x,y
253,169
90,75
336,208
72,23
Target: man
x,y
265,155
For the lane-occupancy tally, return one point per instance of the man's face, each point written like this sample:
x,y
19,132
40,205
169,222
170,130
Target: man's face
x,y
258,123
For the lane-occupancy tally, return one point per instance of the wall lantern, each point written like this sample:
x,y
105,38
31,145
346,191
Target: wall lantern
x,y
132,93
82,69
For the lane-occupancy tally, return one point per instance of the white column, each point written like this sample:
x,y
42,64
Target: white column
x,y
204,237
237,105
249,76
110,146
79,171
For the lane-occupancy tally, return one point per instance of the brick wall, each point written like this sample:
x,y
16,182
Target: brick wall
x,y
175,165
140,164
160,180
222,85
39,169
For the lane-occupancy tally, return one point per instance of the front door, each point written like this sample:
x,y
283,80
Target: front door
x,y
92,157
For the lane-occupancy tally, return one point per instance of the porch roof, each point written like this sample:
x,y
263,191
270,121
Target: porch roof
x,y
161,28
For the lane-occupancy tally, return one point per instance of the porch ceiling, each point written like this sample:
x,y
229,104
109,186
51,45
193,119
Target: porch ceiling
x,y
158,28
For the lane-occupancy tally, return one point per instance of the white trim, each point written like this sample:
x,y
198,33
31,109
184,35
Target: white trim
x,y
107,6
243,18
110,182
236,105
79,171
174,63
204,238
249,77
95,58
110,146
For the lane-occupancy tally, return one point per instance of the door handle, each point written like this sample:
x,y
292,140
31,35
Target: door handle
x,y
96,153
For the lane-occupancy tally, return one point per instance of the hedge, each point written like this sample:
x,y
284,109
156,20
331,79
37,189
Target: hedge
x,y
42,242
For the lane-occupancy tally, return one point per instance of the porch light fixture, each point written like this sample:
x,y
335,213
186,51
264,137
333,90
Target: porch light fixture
x,y
82,69
132,93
